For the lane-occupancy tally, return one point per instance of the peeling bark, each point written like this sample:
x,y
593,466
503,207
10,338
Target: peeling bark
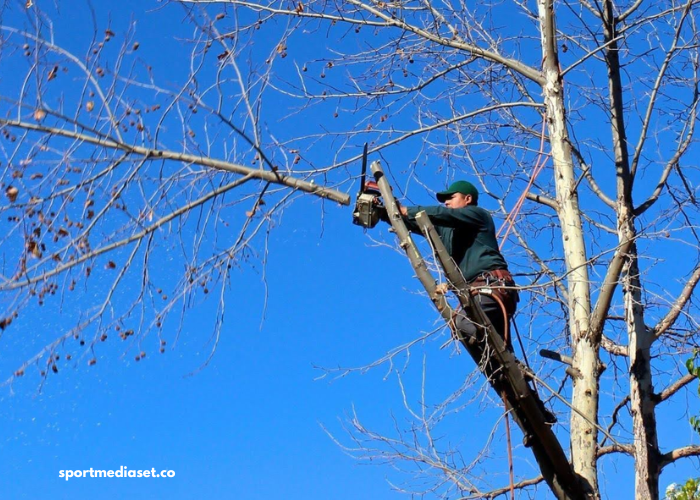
x,y
584,434
642,399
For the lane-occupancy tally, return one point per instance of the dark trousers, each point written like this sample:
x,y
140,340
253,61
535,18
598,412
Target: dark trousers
x,y
493,311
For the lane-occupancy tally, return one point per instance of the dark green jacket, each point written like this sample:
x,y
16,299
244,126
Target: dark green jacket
x,y
469,235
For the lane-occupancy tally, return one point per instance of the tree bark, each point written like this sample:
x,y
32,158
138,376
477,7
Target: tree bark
x,y
584,434
642,404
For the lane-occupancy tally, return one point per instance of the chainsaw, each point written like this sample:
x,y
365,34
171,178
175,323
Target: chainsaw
x,y
369,206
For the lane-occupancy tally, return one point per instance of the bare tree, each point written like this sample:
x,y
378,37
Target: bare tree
x,y
95,185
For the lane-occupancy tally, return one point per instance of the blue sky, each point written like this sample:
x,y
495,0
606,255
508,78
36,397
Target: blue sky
x,y
250,424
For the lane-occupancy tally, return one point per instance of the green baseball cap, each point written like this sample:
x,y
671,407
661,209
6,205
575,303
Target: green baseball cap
x,y
463,187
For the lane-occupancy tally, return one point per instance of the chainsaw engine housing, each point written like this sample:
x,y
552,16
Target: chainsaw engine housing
x,y
367,210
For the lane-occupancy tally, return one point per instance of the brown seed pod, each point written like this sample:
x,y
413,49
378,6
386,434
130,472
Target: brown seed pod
x,y
11,192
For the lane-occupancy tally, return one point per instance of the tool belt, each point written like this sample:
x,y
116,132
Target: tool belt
x,y
498,283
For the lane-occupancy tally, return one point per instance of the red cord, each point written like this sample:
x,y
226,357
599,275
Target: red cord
x,y
539,165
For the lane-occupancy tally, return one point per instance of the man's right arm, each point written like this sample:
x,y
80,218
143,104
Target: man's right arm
x,y
449,217
410,222
409,217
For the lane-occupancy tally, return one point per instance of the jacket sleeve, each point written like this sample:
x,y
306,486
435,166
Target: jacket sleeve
x,y
449,217
411,223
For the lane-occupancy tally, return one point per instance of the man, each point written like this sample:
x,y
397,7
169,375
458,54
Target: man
x,y
469,235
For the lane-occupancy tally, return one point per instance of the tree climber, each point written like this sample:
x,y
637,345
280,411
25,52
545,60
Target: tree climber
x,y
469,234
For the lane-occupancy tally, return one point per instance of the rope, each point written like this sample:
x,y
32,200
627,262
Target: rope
x,y
510,458
510,223
539,165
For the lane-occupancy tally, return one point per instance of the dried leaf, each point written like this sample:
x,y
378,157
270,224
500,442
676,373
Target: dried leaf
x,y
53,73
39,115
11,192
89,106
34,249
110,265
299,8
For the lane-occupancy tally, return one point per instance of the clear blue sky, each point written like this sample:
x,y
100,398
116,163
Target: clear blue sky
x,y
250,425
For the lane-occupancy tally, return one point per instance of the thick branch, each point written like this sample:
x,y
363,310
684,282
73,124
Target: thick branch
x,y
610,282
616,448
678,453
613,347
675,387
670,318
543,200
500,491
265,175
629,11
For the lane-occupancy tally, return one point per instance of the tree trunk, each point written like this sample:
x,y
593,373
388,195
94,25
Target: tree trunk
x,y
643,407
584,434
